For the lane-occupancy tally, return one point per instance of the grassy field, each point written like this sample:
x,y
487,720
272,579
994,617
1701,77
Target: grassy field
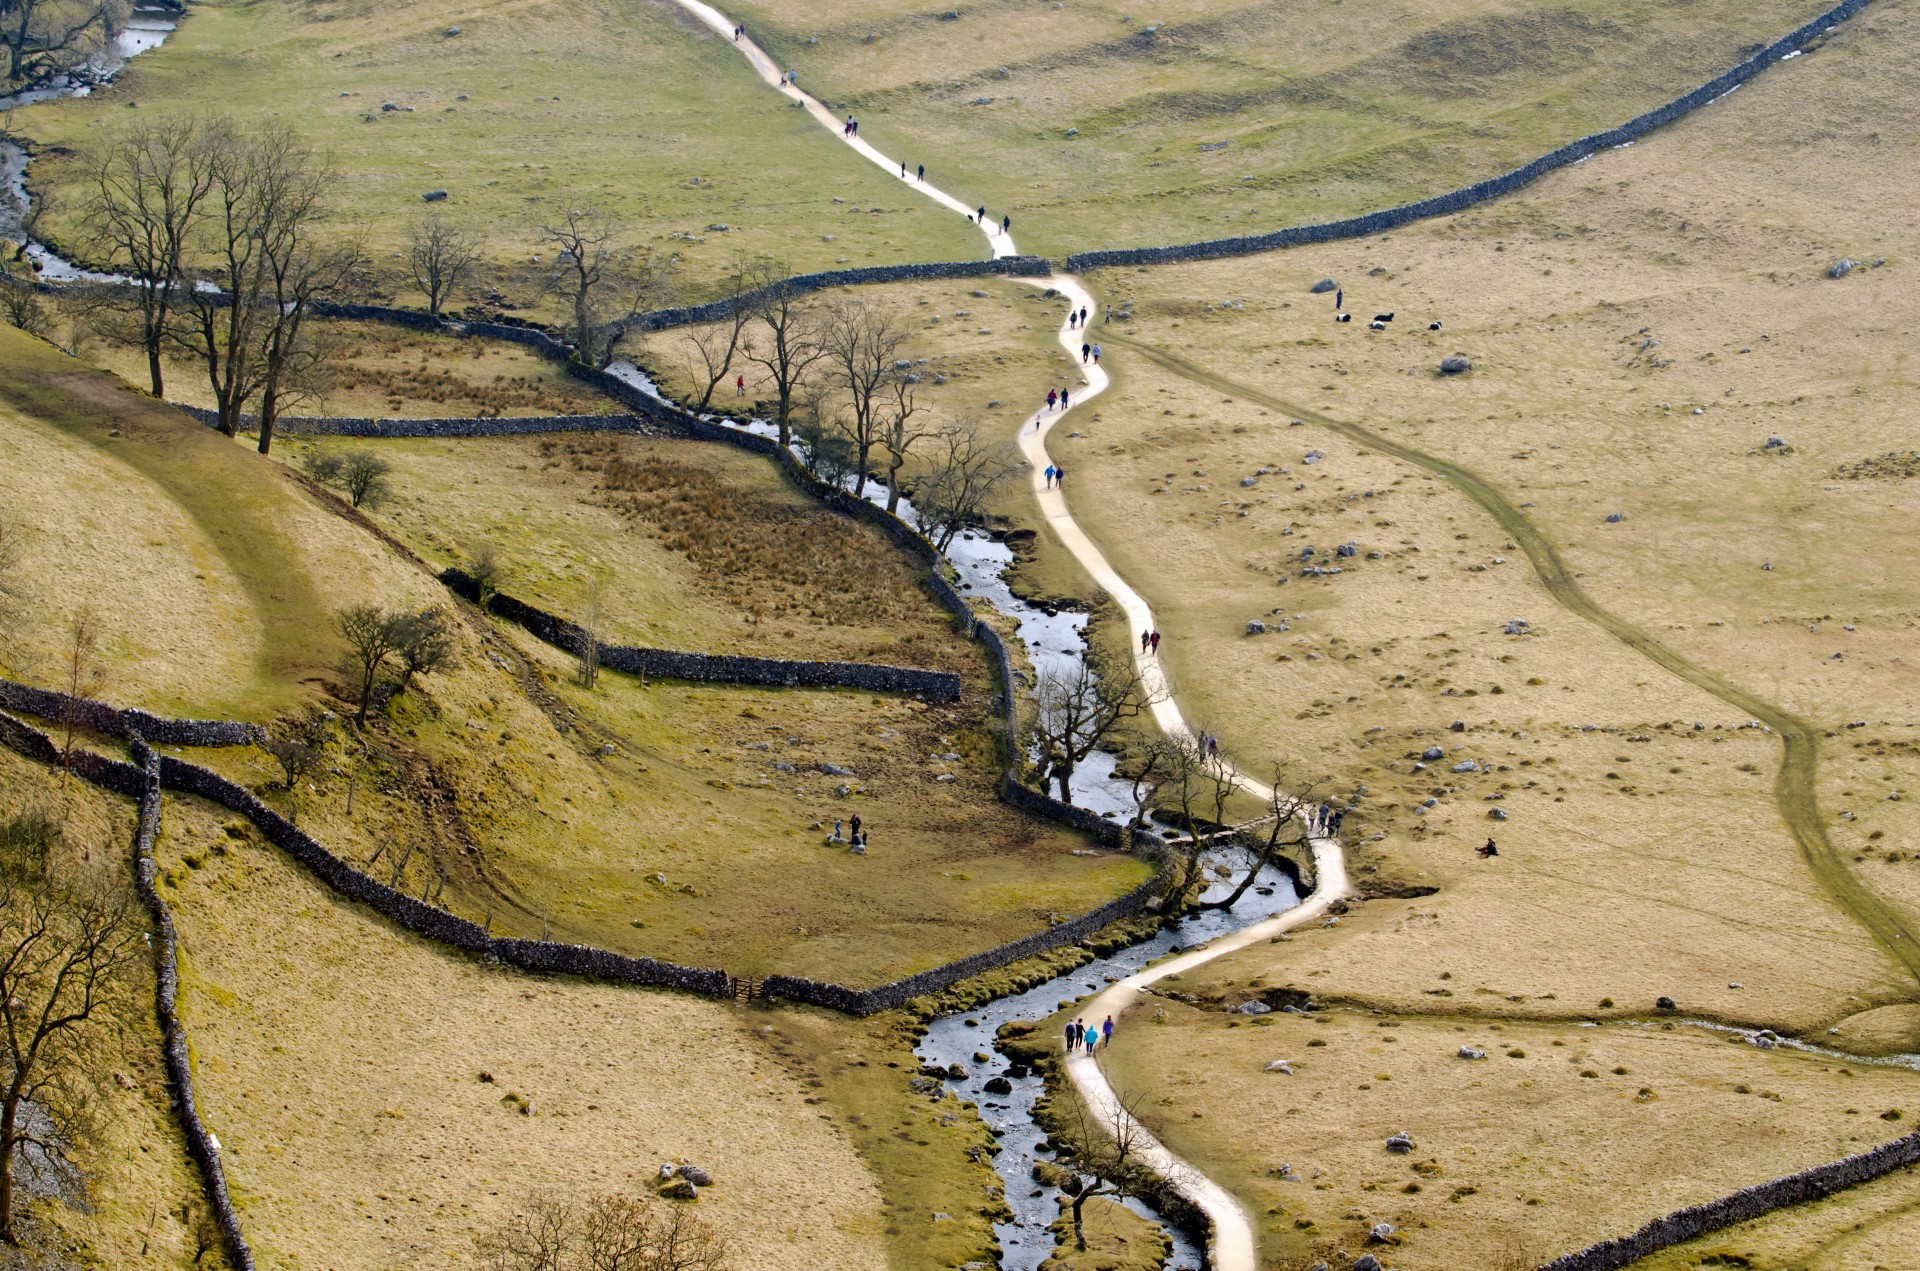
x,y
374,370
1861,1229
1638,328
450,1091
1563,1135
142,1203
627,105
987,352
1101,125
693,545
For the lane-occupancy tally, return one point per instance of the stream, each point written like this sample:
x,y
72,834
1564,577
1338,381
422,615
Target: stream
x,y
957,1038
147,29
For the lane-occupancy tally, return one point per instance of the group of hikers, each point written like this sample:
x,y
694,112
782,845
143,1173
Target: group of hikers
x,y
1056,476
1150,642
919,175
1089,350
1089,1035
1326,819
980,218
856,841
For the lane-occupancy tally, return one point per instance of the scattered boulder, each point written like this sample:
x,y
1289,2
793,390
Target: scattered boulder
x,y
1777,443
951,15
1281,1066
719,228
999,1085
1367,1262
1466,765
1496,814
1666,1004
1471,1052
1454,365
679,1189
1433,752
1256,627
1457,726
434,196
1614,518
389,107
451,31
1255,1007
1400,1144
1073,132
1322,287
835,770
697,1176
1381,1232
1841,268
1518,626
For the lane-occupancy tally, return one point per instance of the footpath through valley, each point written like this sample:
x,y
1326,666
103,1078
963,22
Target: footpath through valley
x,y
1231,1247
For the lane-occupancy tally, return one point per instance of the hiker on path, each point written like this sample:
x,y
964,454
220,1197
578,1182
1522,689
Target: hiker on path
x,y
920,173
1339,298
1096,355
1083,315
1154,639
1106,1032
1059,477
1063,399
1086,351
980,216
1006,224
1093,1039
1333,824
1145,636
1073,319
739,386
847,130
1049,476
903,169
1052,397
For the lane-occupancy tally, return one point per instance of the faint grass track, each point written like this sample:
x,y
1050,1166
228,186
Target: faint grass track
x,y
1793,788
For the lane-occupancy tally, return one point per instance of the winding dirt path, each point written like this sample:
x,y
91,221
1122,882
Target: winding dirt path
x,y
1232,1245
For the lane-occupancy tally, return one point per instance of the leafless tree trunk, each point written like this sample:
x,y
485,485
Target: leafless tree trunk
x,y
965,470
602,285
42,37
898,433
223,322
793,343
1201,786
1076,710
588,671
440,257
862,346
1103,1150
605,1232
1286,802
64,952
144,205
711,347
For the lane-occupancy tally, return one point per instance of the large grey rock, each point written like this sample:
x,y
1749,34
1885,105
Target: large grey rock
x,y
835,770
1433,752
1466,765
1471,1052
999,1085
697,1176
1254,1008
1256,627
1366,1262
1841,268
434,196
1454,365
1322,287
1400,1144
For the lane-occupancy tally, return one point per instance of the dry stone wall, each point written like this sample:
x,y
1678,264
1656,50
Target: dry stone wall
x,y
466,426
111,721
201,1145
1699,1220
1480,192
714,667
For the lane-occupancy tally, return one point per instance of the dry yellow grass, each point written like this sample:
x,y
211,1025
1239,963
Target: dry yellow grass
x,y
341,1064
373,370
139,1179
1873,1227
1563,1135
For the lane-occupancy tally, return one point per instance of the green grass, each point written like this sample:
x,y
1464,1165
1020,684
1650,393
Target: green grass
x,y
232,497
623,104
1310,111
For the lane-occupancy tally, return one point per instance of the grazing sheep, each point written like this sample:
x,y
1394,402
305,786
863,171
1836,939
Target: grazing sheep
x,y
1343,317
1383,317
1433,326
1376,325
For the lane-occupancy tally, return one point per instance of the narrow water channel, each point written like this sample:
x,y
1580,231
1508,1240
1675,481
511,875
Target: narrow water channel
x,y
955,1039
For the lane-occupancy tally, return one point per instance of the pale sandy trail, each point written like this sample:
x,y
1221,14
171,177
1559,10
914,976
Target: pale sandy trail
x,y
1232,1245
1000,243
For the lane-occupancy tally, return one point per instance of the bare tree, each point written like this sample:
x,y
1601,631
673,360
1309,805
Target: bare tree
x,y
823,438
603,285
20,304
1199,786
965,469
588,654
787,343
82,672
363,475
296,760
222,324
606,1232
373,637
440,256
65,951
487,570
1075,710
427,645
712,346
1103,1163
1287,805
898,433
40,38
144,203
862,346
